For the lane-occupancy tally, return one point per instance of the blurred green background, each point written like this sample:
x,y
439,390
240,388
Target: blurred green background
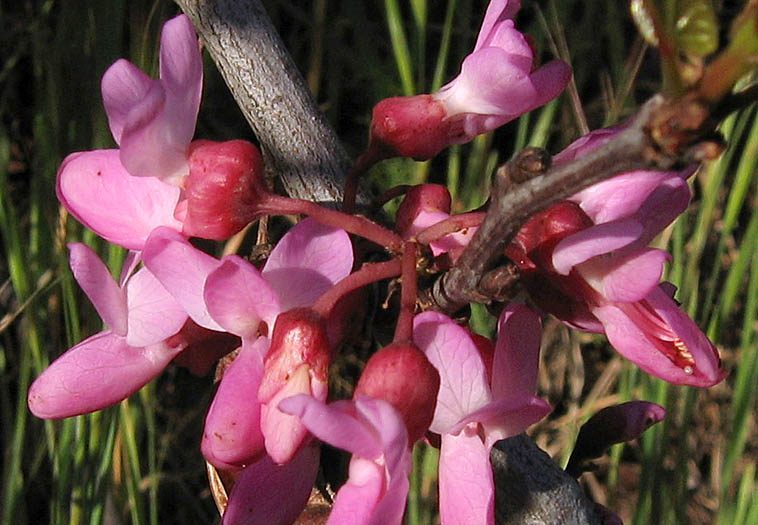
x,y
139,462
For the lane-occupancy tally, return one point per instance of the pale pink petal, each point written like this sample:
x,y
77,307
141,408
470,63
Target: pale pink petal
x,y
97,190
625,278
182,269
423,220
154,314
391,429
356,500
97,282
549,81
463,376
232,435
308,261
505,418
466,486
336,424
124,86
131,261
181,71
239,298
284,433
391,508
517,353
497,12
596,240
506,37
269,494
98,372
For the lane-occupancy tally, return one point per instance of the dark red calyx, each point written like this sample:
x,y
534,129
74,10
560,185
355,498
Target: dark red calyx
x,y
401,374
299,337
224,188
412,127
424,197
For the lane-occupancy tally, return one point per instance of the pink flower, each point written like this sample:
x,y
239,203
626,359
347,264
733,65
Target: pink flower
x,y
373,431
473,412
108,367
497,83
232,295
153,121
586,261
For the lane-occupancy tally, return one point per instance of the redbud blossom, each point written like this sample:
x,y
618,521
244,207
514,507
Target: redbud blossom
x,y
497,83
222,189
402,375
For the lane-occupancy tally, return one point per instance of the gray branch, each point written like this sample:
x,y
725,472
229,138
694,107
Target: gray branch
x,y
305,152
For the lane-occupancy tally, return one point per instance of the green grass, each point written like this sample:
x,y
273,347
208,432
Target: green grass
x,y
140,461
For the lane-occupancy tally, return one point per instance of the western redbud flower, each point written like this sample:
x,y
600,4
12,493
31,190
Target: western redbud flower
x,y
586,261
375,434
496,84
111,365
474,412
233,296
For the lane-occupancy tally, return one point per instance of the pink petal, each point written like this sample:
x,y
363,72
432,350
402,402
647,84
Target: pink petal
x,y
123,87
98,372
182,269
238,297
284,433
506,418
388,423
627,278
466,486
154,314
97,190
517,353
97,282
391,508
232,436
181,71
463,376
594,241
336,424
549,81
356,500
271,494
308,261
497,12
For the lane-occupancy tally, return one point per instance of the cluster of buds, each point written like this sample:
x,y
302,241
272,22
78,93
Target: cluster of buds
x,y
281,325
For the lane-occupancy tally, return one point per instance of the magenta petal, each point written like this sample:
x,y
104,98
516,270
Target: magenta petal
x,y
466,486
238,297
549,81
517,353
182,269
308,261
497,12
181,71
357,498
596,240
463,377
625,279
97,282
270,494
97,190
123,86
98,372
336,424
506,418
232,436
284,433
154,314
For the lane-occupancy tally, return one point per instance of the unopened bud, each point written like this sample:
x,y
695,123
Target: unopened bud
x,y
402,375
224,188
424,197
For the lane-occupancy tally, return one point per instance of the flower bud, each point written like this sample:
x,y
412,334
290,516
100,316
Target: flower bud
x,y
402,375
414,127
421,198
224,188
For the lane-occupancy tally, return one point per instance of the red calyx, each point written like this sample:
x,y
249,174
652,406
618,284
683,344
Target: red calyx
x,y
224,188
299,336
424,197
401,374
412,127
204,347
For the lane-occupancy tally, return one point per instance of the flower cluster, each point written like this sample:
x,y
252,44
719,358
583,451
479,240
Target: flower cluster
x,y
281,325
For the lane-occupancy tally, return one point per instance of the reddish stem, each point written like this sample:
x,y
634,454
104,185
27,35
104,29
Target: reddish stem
x,y
450,225
367,274
370,157
356,224
390,194
404,328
